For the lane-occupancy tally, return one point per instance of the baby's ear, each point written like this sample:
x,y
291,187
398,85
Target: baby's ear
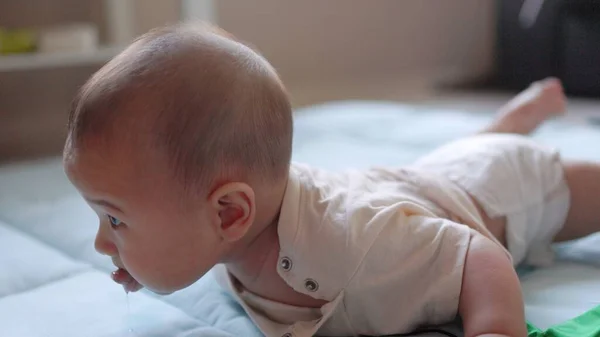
x,y
235,205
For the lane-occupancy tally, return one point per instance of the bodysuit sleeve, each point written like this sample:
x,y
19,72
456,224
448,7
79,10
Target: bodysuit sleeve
x,y
411,276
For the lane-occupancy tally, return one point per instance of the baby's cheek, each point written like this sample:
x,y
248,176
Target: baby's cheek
x,y
138,263
150,267
166,261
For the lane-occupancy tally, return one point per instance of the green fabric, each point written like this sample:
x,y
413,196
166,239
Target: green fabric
x,y
586,325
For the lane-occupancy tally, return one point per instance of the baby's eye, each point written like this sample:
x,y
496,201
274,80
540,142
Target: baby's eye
x,y
114,222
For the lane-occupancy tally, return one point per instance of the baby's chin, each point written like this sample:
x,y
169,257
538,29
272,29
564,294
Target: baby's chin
x,y
133,285
161,292
168,286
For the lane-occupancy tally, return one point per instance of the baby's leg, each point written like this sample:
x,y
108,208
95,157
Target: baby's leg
x,y
583,179
530,108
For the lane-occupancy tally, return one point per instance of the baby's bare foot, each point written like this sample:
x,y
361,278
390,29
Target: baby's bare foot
x,y
530,108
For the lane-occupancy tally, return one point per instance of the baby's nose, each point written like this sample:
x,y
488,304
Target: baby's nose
x,y
104,246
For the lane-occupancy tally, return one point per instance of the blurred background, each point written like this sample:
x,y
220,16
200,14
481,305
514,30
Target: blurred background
x,y
463,54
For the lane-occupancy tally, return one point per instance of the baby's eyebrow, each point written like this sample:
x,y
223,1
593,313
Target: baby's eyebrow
x,y
104,203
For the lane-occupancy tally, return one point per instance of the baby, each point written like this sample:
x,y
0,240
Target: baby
x,y
182,144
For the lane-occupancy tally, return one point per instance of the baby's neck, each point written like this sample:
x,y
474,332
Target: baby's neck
x,y
252,262
248,261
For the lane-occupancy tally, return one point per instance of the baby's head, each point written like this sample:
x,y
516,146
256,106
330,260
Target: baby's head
x,y
178,144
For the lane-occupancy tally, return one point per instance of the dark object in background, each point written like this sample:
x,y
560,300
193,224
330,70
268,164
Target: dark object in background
x,y
563,41
581,49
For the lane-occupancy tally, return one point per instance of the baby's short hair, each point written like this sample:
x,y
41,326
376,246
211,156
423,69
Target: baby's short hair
x,y
213,107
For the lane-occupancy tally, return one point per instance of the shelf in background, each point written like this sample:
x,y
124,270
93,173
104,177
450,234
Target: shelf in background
x,y
35,61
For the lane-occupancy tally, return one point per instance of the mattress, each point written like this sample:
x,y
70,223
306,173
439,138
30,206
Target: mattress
x,y
53,283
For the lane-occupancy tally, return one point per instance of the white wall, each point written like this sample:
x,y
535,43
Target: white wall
x,y
324,50
316,40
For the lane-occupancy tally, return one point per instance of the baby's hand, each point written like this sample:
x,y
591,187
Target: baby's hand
x,y
122,277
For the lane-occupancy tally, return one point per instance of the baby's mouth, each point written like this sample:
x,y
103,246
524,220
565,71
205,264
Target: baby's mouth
x,y
122,277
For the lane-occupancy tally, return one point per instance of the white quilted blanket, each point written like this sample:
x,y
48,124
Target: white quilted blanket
x,y
52,283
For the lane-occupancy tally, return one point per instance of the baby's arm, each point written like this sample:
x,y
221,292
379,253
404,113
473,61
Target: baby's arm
x,y
491,304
